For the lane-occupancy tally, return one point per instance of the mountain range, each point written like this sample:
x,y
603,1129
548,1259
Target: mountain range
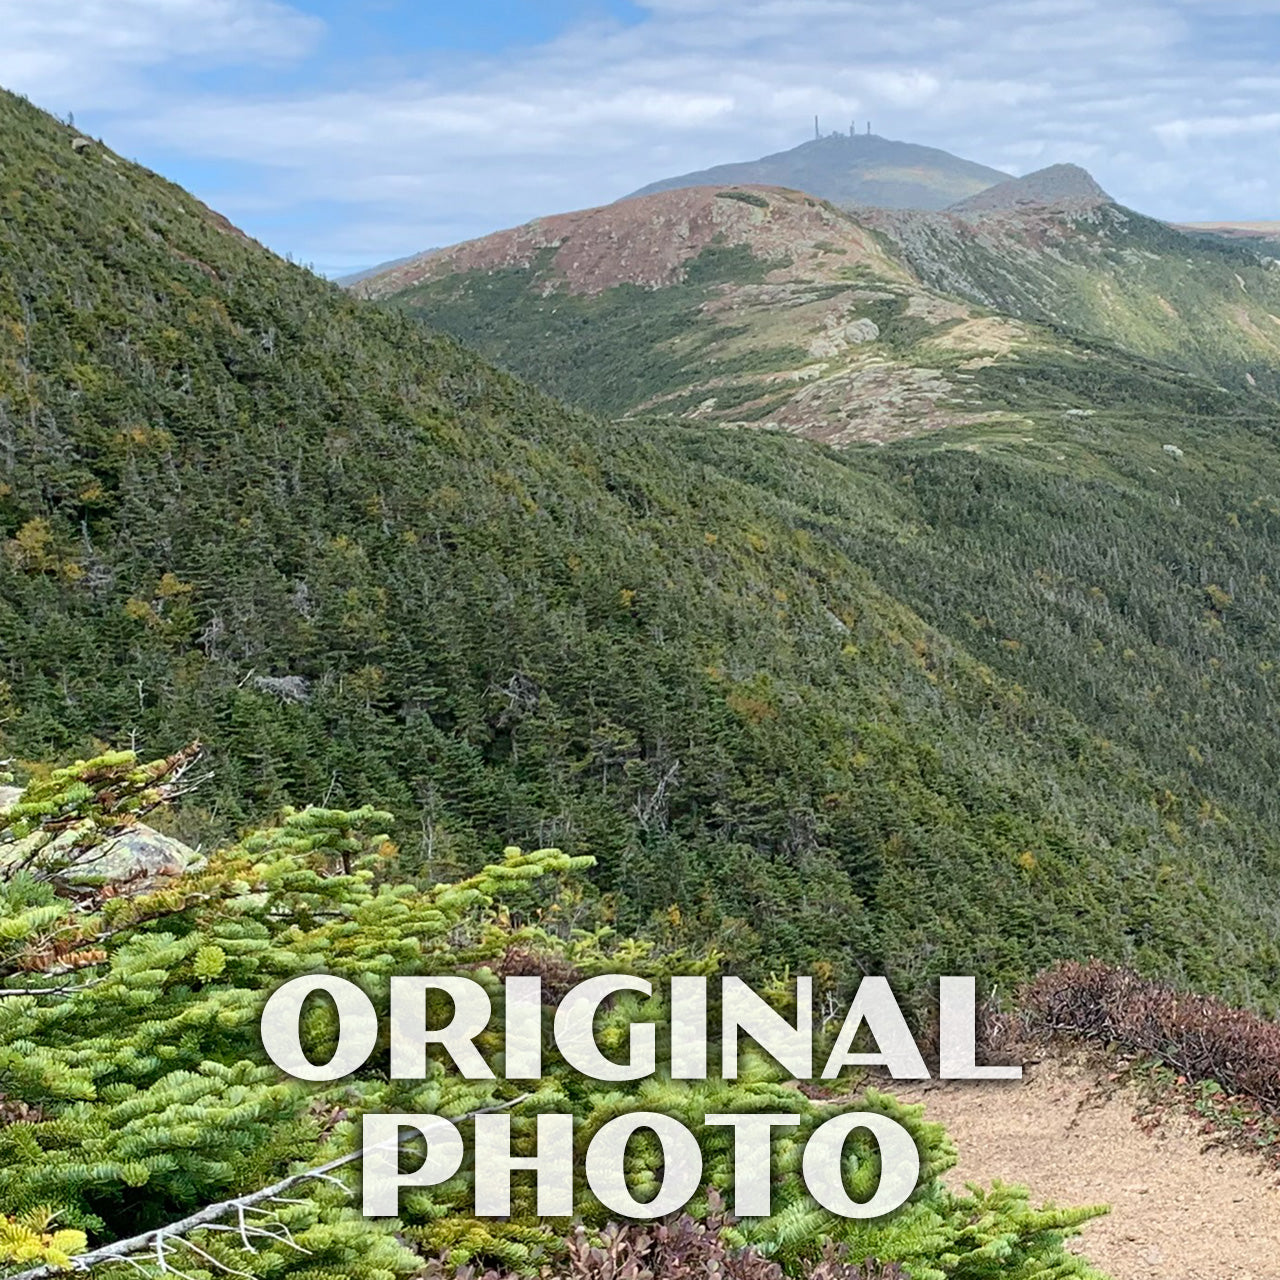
x,y
853,168
769,307
842,591
760,306
1002,691
1050,248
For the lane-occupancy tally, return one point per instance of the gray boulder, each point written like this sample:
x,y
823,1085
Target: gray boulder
x,y
137,859
142,857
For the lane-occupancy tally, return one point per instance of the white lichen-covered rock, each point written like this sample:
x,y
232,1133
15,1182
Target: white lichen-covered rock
x,y
824,347
840,335
864,330
139,858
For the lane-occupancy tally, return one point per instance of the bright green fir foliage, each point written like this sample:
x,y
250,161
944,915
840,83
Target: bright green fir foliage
x,y
135,1089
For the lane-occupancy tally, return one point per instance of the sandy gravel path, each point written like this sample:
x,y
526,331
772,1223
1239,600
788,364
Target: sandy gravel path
x,y
1180,1210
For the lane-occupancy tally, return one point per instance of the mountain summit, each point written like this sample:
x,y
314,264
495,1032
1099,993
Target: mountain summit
x,y
851,169
1059,184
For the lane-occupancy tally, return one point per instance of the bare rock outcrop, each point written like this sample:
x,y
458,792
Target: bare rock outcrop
x,y
137,859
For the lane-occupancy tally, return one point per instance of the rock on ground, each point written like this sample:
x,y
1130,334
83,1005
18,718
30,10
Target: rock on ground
x,y
140,857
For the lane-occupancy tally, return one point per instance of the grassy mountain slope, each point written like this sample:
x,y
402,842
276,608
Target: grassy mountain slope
x,y
361,565
758,306
1204,304
854,169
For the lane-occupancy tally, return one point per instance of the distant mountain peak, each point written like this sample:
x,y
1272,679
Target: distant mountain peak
x,y
1056,185
354,277
852,169
648,241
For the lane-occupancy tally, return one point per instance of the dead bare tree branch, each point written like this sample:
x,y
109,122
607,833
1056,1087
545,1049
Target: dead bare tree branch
x,y
207,1218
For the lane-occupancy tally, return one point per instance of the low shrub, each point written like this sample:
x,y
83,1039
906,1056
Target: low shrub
x,y
1202,1037
747,197
676,1248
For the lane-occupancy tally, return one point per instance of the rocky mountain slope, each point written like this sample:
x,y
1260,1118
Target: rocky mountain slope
x,y
1058,185
853,169
767,307
758,306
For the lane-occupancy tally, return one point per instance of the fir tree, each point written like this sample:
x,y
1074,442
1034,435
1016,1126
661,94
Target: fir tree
x,y
136,1094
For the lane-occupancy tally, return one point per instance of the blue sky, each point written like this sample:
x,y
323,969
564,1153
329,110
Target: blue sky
x,y
345,134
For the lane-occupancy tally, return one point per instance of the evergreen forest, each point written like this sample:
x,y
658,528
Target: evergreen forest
x,y
970,703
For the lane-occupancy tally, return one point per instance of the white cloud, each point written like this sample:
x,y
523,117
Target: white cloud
x,y
1181,132
90,52
1166,100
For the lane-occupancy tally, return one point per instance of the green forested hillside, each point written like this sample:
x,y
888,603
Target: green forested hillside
x,y
1206,304
738,670
1092,522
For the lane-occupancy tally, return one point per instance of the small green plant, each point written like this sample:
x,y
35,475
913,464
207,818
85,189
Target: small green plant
x,y
747,197
32,1238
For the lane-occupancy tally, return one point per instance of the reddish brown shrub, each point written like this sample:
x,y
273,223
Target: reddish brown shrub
x,y
1199,1036
677,1248
558,976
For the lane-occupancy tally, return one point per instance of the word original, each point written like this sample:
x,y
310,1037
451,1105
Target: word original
x,y
873,1013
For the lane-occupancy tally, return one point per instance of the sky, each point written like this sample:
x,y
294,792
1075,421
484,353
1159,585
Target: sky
x,y
344,134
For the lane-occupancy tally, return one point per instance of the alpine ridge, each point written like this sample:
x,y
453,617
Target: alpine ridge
x,y
766,307
794,314
853,169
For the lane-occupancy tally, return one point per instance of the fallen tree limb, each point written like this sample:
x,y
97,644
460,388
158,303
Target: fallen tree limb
x,y
155,1239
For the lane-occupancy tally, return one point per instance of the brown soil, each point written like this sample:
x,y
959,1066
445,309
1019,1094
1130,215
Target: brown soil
x,y
1181,1208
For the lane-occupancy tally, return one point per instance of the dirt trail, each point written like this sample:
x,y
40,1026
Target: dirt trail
x,y
1179,1210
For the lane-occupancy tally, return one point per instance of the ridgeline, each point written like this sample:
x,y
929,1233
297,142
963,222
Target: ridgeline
x,y
915,710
